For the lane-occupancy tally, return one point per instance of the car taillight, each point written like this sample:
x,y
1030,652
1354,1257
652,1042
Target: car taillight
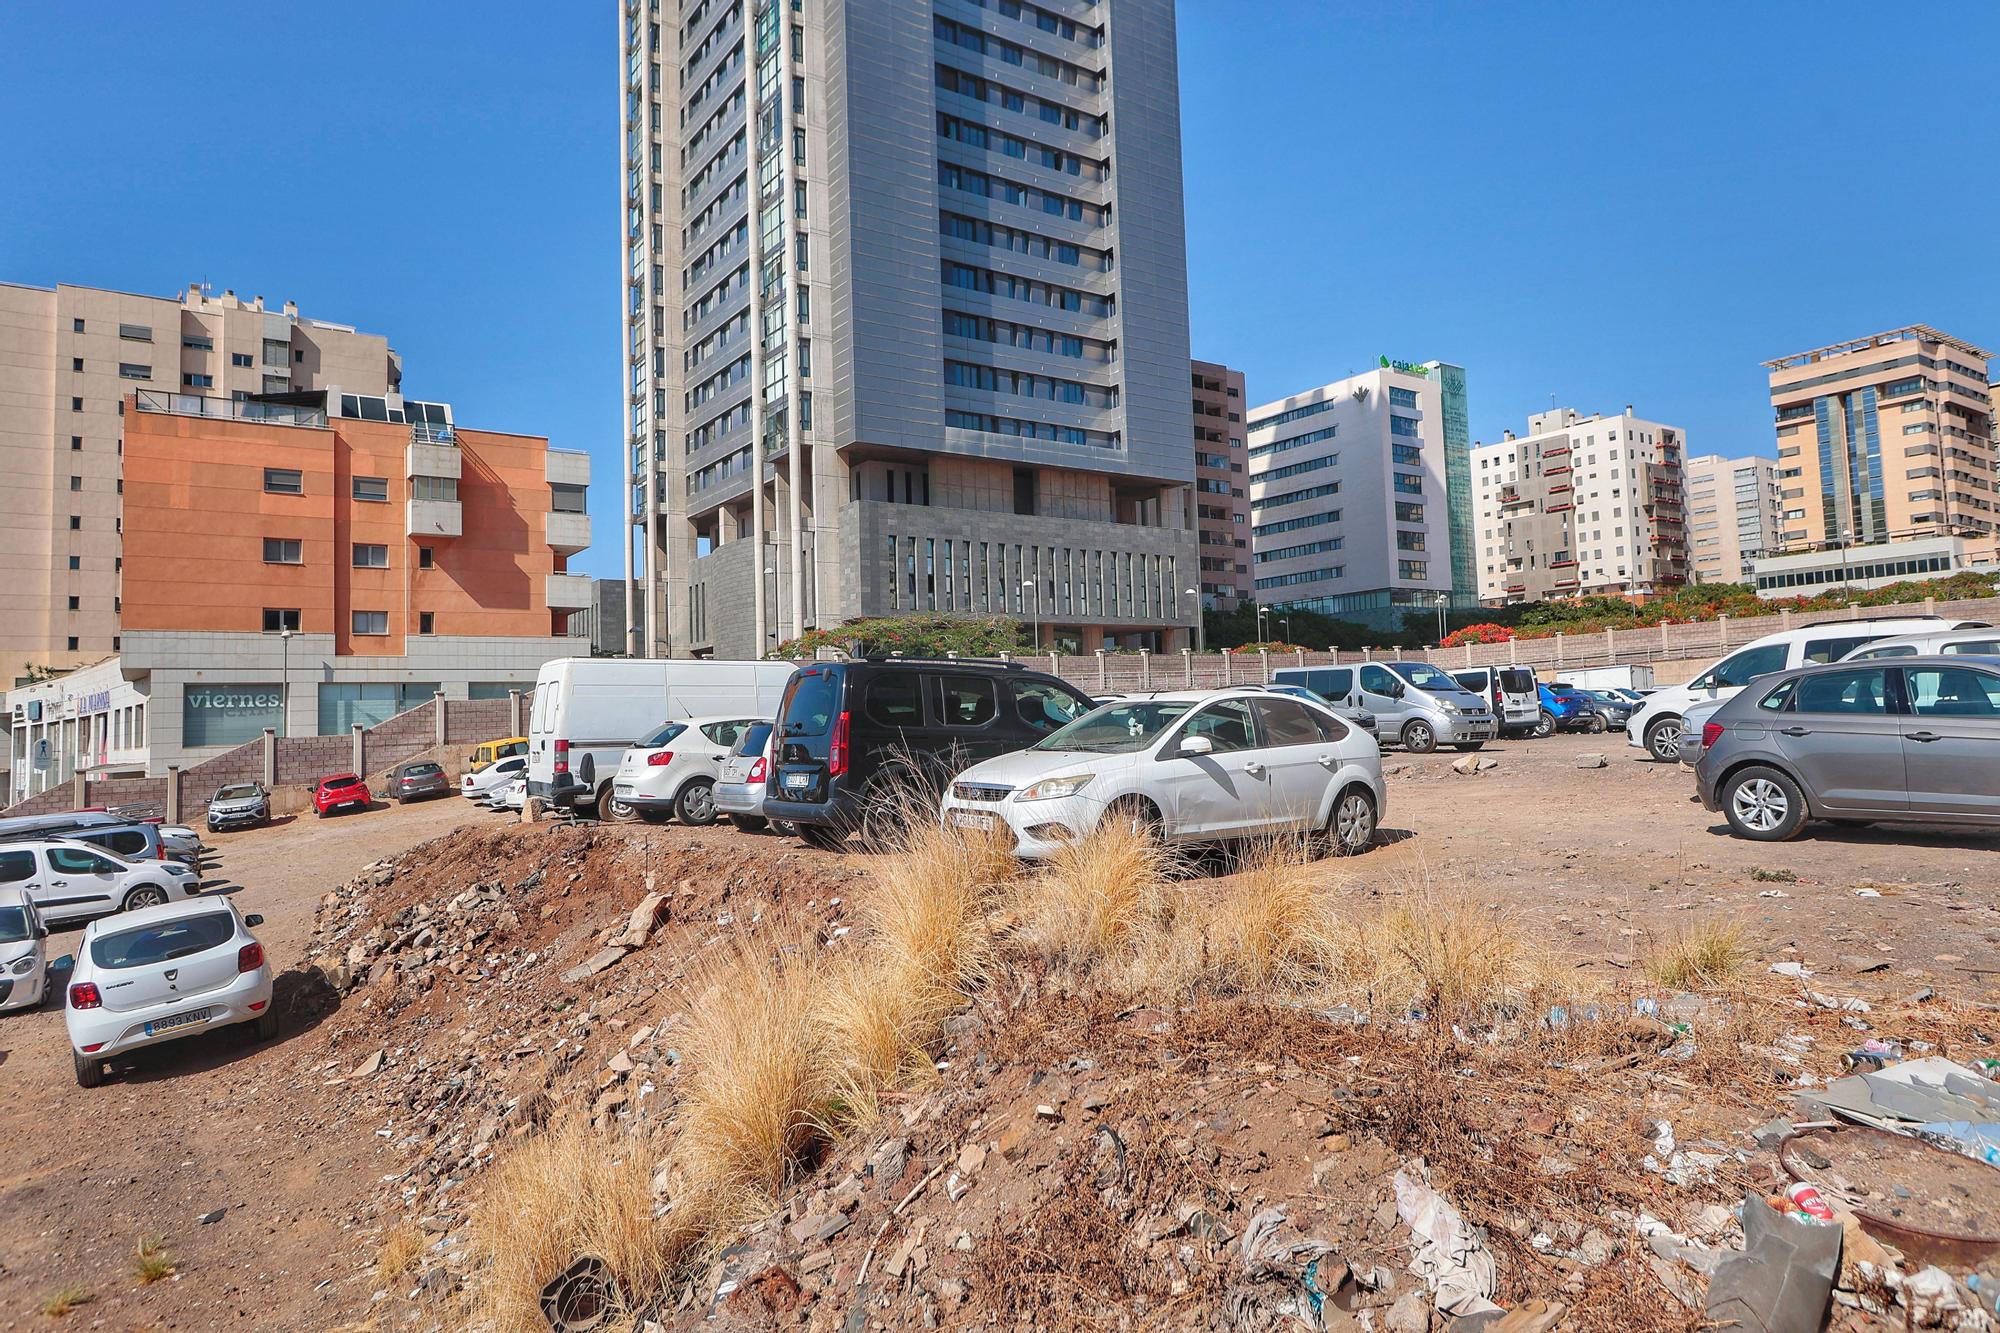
x,y
250,957
757,771
562,756
660,758
1496,698
836,753
83,995
1711,732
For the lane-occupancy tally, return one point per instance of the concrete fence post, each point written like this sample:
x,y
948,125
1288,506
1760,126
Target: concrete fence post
x,y
1785,618
1559,649
1930,606
1055,664
1368,653
1468,654
1665,643
1187,661
1100,671
79,790
1264,661
1853,611
513,712
1513,652
360,750
174,792
1722,622
438,699
1145,669
1302,656
270,758
1228,667
1610,645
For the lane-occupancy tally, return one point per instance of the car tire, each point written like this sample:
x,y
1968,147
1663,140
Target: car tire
x,y
1764,804
146,895
267,1024
1418,738
694,803
823,836
620,812
1138,814
749,823
1663,740
1351,826
1545,725
89,1071
1469,745
1597,726
784,828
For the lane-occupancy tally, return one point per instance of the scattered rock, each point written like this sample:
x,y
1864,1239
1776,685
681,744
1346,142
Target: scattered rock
x,y
1467,765
367,1067
596,963
209,1219
1411,1312
1047,1112
1590,761
1859,963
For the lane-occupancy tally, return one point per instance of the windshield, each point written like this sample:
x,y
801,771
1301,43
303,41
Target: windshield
x,y
13,925
664,733
1427,677
163,941
1115,728
422,770
241,791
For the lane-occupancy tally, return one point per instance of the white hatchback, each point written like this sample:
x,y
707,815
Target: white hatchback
x,y
1195,766
674,769
480,786
155,975
23,953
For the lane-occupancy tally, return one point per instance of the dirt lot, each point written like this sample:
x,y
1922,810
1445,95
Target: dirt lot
x,y
1606,855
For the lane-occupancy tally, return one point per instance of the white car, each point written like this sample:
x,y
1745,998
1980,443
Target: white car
x,y
479,786
509,795
674,769
24,962
145,977
1198,765
68,881
180,839
1656,727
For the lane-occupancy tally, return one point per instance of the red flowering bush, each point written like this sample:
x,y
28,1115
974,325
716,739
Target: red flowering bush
x,y
1487,633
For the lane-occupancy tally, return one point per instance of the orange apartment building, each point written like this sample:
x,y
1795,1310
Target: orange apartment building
x,y
1221,485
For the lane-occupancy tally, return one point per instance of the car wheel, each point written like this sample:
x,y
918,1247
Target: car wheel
x,y
1138,814
823,836
749,823
1663,740
1353,822
695,802
1764,805
146,895
620,812
267,1024
1545,725
89,1071
784,828
1597,725
1470,745
1418,738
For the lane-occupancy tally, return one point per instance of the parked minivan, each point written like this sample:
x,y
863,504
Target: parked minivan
x,y
134,842
854,737
1415,705
588,710
1509,691
1656,726
492,752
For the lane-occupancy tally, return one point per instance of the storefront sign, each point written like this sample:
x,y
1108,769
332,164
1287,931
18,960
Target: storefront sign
x,y
1406,367
228,714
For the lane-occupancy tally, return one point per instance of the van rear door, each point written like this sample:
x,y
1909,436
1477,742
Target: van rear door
x,y
807,716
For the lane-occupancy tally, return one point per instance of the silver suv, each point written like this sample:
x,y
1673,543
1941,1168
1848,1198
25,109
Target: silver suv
x,y
1904,739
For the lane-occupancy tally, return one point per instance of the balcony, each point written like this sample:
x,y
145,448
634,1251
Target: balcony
x,y
433,518
227,409
568,533
567,467
568,592
431,460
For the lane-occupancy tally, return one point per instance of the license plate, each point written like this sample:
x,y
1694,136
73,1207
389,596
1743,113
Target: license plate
x,y
622,788
188,1019
971,819
797,781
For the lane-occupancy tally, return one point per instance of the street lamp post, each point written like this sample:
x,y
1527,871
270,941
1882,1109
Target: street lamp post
x,y
1286,621
1262,612
285,682
1034,584
1200,621
1846,536
1443,599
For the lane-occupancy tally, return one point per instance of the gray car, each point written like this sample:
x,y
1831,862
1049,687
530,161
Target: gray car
x,y
419,778
239,805
1900,739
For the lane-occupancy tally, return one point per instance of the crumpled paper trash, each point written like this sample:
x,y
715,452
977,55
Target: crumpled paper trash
x,y
1284,1278
1449,1258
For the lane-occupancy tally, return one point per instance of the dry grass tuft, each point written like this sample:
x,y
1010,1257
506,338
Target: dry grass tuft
x,y
566,1192
1440,952
1700,957
1273,927
398,1252
63,1300
151,1263
1097,899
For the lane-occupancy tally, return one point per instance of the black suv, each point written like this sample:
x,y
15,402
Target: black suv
x,y
854,738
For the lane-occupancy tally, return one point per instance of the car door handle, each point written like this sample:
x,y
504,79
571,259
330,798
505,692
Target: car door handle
x,y
1255,770
58,883
1328,760
1924,736
1796,731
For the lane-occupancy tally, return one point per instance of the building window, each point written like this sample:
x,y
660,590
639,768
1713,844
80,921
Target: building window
x,y
284,551
229,714
72,643
129,371
280,618
284,481
76,404
192,381
137,333
426,622
242,359
1402,397
195,342
76,444
76,603
434,488
76,522
76,562
1412,569
371,622
76,364
426,558
76,326
76,483
375,490
369,556
565,499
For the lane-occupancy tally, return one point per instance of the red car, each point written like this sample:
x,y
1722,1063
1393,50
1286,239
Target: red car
x,y
338,792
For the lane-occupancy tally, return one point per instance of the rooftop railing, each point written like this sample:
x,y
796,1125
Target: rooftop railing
x,y
228,409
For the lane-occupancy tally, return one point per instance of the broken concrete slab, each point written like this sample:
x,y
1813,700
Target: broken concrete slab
x,y
596,963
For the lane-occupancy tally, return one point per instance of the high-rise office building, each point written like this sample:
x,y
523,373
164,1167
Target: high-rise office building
x,y
1581,506
1732,515
1883,439
1221,496
68,357
905,318
1351,508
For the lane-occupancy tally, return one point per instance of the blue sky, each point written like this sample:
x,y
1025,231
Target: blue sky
x,y
1604,203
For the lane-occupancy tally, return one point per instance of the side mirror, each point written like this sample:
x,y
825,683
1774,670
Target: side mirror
x,y
41,932
63,964
1397,690
1194,745
253,920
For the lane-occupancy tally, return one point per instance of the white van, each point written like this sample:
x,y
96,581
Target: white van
x,y
589,709
1656,726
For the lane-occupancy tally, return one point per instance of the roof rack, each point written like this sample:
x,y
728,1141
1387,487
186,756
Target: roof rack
x,y
883,658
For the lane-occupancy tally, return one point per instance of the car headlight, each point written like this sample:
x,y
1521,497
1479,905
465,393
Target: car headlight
x,y
1449,706
1050,788
23,966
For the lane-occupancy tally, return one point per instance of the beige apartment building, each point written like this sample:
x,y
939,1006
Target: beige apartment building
x,y
1221,496
1732,515
1581,506
1884,439
68,358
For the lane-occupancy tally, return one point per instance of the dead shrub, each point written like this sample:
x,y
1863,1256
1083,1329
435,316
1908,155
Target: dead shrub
x,y
1440,952
565,1192
1702,956
1272,927
1095,899
398,1252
